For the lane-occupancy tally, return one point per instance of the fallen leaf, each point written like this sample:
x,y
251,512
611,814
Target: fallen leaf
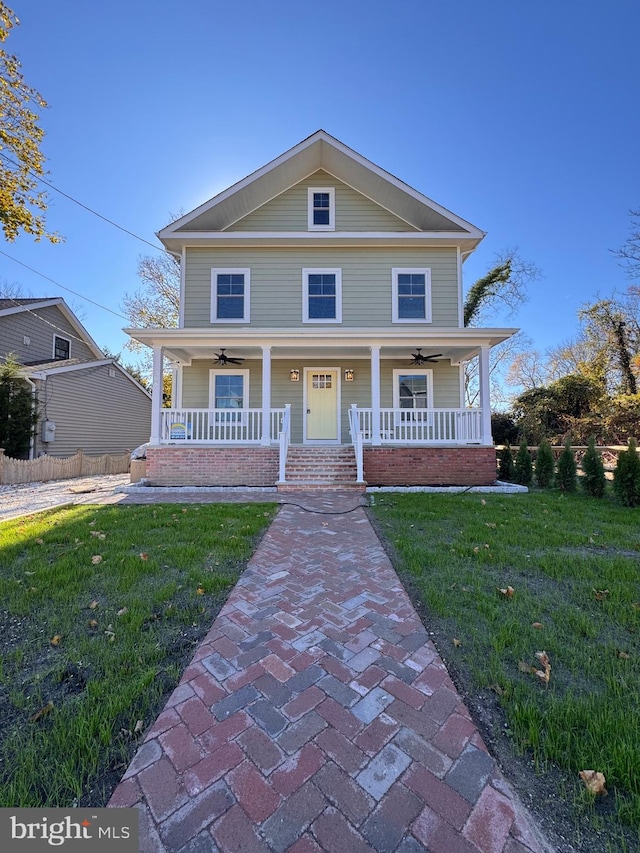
x,y
41,713
490,524
636,605
92,623
144,555
508,592
483,502
40,541
594,781
139,725
544,674
98,534
200,590
95,603
110,635
497,689
486,545
600,594
96,559
29,574
55,641
623,655
537,625
122,611
457,643
476,550
525,667
184,510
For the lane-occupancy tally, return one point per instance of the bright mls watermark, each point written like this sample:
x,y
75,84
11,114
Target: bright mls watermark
x,y
79,830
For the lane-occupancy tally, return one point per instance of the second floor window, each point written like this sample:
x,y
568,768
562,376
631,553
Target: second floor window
x,y
230,296
322,296
411,296
61,347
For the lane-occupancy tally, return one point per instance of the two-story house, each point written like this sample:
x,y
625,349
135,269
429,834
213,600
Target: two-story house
x,y
84,401
321,334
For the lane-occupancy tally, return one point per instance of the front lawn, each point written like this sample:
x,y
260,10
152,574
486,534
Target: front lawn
x,y
500,578
102,608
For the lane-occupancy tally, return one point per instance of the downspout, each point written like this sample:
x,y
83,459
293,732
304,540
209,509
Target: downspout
x,y
33,405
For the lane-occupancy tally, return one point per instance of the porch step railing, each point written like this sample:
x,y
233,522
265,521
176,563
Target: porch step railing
x,y
218,426
428,426
284,440
357,437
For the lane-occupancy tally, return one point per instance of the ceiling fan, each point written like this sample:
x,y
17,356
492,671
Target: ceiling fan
x,y
418,358
223,359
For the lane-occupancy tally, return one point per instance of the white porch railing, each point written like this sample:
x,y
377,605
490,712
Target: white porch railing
x,y
217,426
357,438
284,439
422,426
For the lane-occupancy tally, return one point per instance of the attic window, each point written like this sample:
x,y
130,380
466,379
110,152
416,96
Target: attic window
x,y
61,347
321,209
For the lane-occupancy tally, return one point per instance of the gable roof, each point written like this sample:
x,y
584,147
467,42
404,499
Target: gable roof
x,y
320,151
17,305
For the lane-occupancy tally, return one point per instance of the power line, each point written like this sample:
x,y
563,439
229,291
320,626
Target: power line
x,y
65,333
89,209
57,284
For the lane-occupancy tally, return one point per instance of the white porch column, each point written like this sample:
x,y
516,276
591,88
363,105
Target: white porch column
x,y
266,396
156,396
375,395
485,395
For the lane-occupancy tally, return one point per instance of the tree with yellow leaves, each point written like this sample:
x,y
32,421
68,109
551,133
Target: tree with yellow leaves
x,y
22,205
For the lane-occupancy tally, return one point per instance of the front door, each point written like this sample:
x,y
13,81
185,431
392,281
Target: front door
x,y
322,405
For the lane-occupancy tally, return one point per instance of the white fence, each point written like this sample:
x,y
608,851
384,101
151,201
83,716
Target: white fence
x,y
423,426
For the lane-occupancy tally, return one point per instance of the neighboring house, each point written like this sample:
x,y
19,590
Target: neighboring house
x,y
311,293
84,401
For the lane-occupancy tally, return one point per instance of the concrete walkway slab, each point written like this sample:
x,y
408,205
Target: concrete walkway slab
x,y
317,716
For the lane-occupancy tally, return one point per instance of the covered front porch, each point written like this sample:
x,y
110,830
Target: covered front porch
x,y
316,388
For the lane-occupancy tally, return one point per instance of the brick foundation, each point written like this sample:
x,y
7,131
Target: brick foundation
x,y
383,466
429,466
212,466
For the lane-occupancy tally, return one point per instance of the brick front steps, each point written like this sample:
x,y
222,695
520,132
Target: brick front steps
x,y
314,467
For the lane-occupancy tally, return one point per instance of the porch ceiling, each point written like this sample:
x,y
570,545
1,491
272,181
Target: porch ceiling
x,y
185,345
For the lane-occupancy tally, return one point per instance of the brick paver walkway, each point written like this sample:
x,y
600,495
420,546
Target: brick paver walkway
x,y
317,716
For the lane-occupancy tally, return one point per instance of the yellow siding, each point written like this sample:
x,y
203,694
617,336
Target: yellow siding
x,y
276,283
289,211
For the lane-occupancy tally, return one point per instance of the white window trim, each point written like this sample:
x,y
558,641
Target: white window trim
x,y
305,295
332,209
394,294
214,294
228,371
53,346
412,371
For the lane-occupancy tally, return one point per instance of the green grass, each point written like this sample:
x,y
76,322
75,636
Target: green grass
x,y
574,563
123,628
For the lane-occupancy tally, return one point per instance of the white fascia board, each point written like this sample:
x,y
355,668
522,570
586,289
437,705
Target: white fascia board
x,y
320,136
86,365
444,239
31,306
309,336
69,315
238,186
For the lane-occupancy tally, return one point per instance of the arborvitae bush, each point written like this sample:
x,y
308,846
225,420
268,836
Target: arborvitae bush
x,y
594,481
523,466
545,465
566,479
626,477
506,468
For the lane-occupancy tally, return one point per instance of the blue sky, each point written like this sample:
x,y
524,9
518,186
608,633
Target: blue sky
x,y
521,118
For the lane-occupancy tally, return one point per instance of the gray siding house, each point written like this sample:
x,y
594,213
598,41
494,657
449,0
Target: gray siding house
x,y
85,401
320,318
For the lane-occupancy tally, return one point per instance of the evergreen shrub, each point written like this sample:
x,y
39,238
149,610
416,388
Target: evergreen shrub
x,y
594,481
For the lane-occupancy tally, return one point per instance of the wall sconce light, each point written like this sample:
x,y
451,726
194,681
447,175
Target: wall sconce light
x,y
348,375
294,375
